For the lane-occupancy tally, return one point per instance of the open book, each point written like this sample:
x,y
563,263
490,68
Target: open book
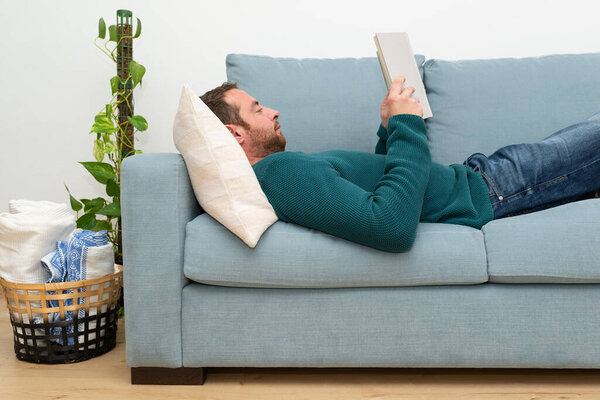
x,y
397,58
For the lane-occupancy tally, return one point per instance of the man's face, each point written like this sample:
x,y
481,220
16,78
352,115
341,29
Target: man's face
x,y
265,135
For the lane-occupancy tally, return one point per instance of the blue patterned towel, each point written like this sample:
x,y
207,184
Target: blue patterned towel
x,y
85,255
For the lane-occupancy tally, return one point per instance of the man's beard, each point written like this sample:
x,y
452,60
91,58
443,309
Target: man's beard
x,y
267,141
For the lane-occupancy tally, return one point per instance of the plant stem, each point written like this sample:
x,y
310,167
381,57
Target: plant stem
x,y
101,49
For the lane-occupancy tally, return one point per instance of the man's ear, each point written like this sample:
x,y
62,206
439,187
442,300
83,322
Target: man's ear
x,y
237,132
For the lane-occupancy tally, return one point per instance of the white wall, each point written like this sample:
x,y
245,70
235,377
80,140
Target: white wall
x,y
53,80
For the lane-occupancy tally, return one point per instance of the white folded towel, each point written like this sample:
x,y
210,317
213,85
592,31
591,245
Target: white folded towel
x,y
28,232
22,206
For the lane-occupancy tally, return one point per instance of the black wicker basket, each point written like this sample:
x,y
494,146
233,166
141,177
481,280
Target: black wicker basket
x,y
67,322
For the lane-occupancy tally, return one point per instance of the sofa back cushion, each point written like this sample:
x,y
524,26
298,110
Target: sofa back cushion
x,y
324,104
478,105
482,105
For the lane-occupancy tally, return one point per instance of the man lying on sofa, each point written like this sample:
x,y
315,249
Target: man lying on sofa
x,y
378,199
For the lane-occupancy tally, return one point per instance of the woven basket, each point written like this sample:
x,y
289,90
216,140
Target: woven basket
x,y
64,322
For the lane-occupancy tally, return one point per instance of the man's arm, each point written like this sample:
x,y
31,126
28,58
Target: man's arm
x,y
313,194
396,101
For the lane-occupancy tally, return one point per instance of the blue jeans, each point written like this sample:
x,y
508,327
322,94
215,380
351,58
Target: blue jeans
x,y
529,177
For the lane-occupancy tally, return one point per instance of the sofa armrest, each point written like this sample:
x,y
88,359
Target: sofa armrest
x,y
157,201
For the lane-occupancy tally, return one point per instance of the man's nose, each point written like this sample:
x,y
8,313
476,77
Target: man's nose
x,y
275,114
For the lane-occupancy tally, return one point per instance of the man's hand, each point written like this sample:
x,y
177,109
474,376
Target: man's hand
x,y
398,101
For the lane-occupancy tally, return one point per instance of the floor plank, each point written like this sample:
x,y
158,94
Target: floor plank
x,y
107,376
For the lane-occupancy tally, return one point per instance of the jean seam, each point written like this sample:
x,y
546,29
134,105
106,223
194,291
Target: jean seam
x,y
538,186
550,181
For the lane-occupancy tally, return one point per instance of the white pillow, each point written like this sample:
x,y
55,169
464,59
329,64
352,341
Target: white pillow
x,y
223,179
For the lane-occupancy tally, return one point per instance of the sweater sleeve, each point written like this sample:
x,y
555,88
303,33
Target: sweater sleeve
x,y
313,194
381,147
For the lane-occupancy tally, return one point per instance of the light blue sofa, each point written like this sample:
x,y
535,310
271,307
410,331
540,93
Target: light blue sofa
x,y
522,292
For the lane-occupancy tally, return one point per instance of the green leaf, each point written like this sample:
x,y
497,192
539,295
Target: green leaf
x,y
138,30
137,72
102,172
87,221
75,205
112,33
101,28
98,150
103,225
92,206
111,147
138,122
138,152
108,111
112,189
111,210
114,84
103,124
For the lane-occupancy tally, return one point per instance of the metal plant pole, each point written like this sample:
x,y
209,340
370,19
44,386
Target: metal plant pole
x,y
125,95
124,57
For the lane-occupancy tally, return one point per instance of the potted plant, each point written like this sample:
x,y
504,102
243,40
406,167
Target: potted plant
x,y
114,127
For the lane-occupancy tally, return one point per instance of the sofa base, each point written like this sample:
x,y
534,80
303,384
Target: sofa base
x,y
462,326
168,376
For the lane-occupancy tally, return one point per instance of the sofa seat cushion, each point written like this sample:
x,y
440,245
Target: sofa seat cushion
x,y
292,256
558,245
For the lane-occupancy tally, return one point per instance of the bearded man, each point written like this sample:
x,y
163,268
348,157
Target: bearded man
x,y
379,199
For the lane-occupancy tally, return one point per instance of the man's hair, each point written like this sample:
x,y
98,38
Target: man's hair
x,y
227,113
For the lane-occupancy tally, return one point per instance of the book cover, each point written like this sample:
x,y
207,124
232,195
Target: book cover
x,y
396,58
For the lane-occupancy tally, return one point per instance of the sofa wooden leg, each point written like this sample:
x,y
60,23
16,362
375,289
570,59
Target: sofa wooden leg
x,y
168,376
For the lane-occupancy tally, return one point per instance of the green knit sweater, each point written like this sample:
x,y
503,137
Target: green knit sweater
x,y
375,199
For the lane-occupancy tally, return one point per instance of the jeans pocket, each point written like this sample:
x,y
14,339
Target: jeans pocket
x,y
475,162
494,190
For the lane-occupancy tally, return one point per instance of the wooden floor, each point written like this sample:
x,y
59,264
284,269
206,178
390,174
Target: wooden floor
x,y
107,377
